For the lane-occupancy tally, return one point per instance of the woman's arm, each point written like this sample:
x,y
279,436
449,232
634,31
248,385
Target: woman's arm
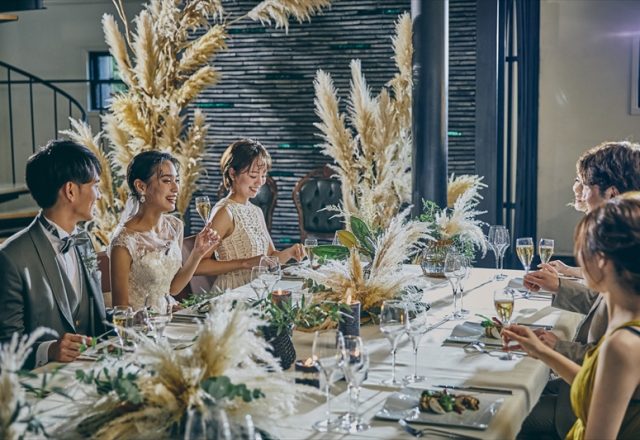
x,y
206,242
529,342
120,261
617,378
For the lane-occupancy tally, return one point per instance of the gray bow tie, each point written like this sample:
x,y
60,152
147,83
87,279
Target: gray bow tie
x,y
78,239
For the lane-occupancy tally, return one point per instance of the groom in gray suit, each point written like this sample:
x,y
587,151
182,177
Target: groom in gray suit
x,y
48,271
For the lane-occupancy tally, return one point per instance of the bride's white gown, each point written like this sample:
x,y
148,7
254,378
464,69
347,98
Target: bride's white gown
x,y
156,258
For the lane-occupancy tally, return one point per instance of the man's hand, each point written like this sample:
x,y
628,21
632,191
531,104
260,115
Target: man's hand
x,y
549,339
67,348
546,278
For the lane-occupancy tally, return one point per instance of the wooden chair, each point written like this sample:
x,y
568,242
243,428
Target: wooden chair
x,y
312,193
265,199
105,268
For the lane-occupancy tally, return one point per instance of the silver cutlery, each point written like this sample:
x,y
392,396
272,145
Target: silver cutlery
x,y
476,389
421,432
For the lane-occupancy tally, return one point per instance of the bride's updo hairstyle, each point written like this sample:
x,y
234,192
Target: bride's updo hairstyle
x,y
240,155
144,166
613,231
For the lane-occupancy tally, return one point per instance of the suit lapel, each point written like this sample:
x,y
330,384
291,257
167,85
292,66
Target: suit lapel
x,y
49,263
94,288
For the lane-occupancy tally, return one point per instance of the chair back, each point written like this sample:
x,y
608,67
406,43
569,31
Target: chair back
x,y
265,199
312,193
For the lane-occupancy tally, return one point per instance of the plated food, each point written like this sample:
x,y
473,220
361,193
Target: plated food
x,y
442,402
492,326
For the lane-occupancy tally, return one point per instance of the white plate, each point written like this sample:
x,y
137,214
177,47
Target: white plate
x,y
405,404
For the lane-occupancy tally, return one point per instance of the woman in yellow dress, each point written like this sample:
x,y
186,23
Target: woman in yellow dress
x,y
605,391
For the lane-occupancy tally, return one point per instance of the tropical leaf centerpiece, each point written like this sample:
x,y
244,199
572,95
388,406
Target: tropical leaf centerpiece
x,y
343,269
227,371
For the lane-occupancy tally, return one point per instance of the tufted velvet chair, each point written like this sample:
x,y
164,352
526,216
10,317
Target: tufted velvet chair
x,y
265,199
313,192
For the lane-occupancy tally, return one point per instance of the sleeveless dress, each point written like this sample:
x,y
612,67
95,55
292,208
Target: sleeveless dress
x,y
249,238
156,258
581,394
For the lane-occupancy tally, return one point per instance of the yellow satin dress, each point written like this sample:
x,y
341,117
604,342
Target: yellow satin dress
x,y
581,394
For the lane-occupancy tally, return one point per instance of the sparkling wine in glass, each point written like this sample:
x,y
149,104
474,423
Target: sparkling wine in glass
x,y
203,206
393,324
356,367
122,319
416,328
524,250
504,303
329,353
309,244
454,271
545,249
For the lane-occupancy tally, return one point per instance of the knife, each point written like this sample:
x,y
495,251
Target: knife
x,y
478,389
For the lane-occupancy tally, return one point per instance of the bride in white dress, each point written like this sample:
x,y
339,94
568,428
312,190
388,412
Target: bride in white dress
x,y
146,258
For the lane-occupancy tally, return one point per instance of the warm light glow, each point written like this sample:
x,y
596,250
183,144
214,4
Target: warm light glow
x,y
278,292
309,362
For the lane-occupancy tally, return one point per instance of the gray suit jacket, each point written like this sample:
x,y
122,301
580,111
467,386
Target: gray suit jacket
x,y
576,297
32,292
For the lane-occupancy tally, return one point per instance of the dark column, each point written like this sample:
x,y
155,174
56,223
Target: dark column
x,y
430,101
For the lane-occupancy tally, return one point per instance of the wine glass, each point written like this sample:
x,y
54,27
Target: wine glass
x,y
356,367
309,244
545,249
329,353
199,425
160,311
499,241
274,270
454,271
416,328
503,301
524,250
122,319
393,322
466,268
259,281
203,206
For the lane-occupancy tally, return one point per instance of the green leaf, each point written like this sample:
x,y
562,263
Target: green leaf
x,y
363,234
331,252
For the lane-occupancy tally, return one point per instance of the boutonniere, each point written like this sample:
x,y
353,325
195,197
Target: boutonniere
x,y
89,259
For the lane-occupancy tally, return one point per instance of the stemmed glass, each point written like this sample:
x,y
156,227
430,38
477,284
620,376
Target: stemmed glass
x,y
203,206
499,241
545,249
466,267
393,322
274,270
524,250
454,271
329,352
259,281
309,244
160,311
122,319
504,303
416,328
356,366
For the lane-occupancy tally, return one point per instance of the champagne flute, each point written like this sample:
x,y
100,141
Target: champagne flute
x,y
504,303
309,244
499,240
259,281
524,250
329,353
466,271
393,322
454,271
203,206
122,319
545,249
274,270
416,328
356,366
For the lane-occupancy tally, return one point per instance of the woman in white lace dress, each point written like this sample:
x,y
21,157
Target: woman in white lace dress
x,y
146,257
241,224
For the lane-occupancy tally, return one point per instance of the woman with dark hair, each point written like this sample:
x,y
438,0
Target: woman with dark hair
x,y
241,225
605,391
146,258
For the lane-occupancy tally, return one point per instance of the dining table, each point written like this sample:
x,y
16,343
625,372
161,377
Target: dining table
x,y
516,384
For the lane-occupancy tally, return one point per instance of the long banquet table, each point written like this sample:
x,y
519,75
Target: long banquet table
x,y
441,363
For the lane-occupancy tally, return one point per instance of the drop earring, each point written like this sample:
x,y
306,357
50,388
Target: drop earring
x,y
143,198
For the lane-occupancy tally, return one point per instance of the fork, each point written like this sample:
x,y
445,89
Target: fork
x,y
421,432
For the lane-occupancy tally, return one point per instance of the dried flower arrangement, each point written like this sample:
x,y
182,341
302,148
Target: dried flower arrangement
x,y
458,223
374,163
228,367
381,280
164,69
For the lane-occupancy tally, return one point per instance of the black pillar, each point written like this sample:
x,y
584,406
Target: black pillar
x,y
430,101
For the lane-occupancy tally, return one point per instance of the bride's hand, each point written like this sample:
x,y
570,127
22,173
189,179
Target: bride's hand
x,y
206,241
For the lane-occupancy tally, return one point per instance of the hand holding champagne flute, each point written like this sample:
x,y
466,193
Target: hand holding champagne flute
x,y
524,250
545,250
503,301
203,206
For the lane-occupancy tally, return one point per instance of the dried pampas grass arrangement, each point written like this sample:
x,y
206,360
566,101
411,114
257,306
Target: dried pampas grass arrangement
x,y
164,68
374,163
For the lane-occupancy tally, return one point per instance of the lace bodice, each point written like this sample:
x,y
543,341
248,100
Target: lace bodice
x,y
249,238
156,258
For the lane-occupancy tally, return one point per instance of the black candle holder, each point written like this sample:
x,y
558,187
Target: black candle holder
x,y
350,324
310,373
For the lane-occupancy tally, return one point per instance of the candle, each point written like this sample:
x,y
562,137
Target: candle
x,y
280,297
350,324
310,372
